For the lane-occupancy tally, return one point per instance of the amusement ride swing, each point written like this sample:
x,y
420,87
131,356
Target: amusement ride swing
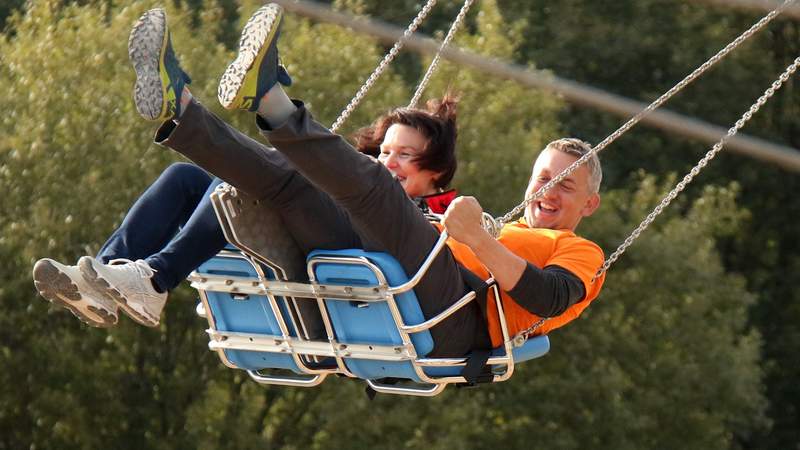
x,y
354,313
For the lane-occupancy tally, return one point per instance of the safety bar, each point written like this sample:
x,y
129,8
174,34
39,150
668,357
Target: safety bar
x,y
296,381
441,316
437,247
229,340
433,389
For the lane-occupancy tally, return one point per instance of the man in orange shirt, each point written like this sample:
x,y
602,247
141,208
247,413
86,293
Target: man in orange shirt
x,y
542,268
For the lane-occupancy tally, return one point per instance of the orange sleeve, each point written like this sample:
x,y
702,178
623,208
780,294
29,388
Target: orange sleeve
x,y
581,257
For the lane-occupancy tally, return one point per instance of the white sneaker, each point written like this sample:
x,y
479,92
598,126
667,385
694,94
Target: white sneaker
x,y
128,283
64,286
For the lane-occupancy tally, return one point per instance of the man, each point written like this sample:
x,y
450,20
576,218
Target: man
x,y
541,266
314,173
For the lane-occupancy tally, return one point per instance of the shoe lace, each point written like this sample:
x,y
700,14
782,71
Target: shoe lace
x,y
140,265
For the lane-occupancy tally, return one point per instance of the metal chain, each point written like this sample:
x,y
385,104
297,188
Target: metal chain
x,y
700,165
383,65
635,119
520,337
435,63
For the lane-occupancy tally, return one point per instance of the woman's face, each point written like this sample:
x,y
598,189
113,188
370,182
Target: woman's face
x,y
401,145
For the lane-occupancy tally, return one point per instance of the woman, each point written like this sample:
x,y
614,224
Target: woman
x,y
171,229
423,174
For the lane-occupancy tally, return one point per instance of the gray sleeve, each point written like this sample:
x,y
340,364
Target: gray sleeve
x,y
547,292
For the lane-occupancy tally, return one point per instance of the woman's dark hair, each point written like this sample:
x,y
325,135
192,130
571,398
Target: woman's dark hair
x,y
437,122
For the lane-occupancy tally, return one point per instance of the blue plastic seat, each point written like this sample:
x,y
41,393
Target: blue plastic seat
x,y
372,323
359,333
246,314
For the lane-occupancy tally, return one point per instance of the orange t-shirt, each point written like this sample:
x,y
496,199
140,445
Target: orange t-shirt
x,y
541,247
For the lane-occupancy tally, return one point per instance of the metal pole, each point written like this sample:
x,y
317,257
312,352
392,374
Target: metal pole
x,y
785,157
761,6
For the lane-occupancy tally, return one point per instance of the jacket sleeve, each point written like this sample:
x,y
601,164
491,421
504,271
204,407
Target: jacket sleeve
x,y
547,292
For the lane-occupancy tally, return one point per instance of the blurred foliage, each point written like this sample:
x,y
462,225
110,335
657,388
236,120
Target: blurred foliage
x,y
641,48
502,126
666,358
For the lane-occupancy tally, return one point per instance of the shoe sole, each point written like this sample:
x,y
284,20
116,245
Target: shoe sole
x,y
57,288
256,37
147,46
99,283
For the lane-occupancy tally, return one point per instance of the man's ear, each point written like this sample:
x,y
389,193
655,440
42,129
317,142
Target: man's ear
x,y
592,203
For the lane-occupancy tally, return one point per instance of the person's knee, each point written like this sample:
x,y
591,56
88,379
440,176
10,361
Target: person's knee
x,y
184,170
186,174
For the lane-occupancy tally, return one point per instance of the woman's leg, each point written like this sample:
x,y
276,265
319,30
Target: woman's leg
x,y
137,287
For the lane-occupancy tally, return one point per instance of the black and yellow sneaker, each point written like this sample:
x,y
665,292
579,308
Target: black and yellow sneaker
x,y
159,77
255,69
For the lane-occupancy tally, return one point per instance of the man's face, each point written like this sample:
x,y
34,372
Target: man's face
x,y
566,203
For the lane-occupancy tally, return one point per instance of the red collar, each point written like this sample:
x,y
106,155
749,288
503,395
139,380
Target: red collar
x,y
439,201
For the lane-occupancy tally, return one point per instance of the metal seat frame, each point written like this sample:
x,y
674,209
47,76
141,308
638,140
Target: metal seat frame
x,y
232,207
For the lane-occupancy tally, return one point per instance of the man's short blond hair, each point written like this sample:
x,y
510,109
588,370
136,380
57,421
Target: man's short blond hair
x,y
578,148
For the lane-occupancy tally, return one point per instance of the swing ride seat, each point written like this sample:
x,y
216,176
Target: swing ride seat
x,y
354,313
375,334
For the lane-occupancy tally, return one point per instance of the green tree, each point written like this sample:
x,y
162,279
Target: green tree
x,y
73,156
502,126
663,359
640,49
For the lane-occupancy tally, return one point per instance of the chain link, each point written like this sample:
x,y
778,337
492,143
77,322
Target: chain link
x,y
382,66
435,63
638,117
700,165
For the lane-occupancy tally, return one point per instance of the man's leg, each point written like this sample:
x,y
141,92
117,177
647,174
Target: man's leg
x,y
157,214
197,241
161,94
311,215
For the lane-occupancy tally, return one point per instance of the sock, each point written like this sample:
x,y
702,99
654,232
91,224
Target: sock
x,y
158,288
186,97
275,106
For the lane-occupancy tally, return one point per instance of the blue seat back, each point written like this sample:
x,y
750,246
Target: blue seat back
x,y
371,323
252,314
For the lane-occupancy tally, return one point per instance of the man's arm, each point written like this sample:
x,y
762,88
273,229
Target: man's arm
x,y
545,292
